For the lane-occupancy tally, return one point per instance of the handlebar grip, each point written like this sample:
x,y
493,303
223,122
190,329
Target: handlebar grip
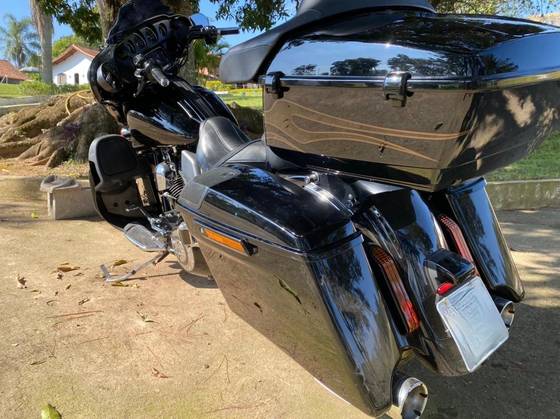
x,y
159,77
228,31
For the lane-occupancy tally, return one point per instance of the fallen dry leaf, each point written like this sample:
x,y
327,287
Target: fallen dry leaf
x,y
34,215
51,302
78,274
49,412
67,287
158,374
145,318
42,361
119,262
21,282
67,268
119,284
83,301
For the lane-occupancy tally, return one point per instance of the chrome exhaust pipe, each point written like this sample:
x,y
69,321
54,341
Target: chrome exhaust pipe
x,y
506,309
410,396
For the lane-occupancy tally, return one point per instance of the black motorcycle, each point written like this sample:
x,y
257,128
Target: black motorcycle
x,y
357,233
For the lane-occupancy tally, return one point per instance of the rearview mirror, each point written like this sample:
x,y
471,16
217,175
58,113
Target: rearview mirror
x,y
198,19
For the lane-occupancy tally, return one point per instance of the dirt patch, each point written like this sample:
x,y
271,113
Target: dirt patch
x,y
166,344
14,167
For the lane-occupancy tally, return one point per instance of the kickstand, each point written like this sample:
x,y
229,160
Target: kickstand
x,y
120,278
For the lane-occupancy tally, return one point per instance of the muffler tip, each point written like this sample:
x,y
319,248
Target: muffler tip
x,y
410,397
506,309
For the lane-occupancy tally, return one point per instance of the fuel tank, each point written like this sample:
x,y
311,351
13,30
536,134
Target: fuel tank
x,y
413,98
173,118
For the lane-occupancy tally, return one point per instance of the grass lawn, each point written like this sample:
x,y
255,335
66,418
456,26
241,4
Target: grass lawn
x,y
543,163
251,98
9,91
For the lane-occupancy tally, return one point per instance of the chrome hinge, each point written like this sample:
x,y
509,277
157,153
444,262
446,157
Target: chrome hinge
x,y
273,84
395,88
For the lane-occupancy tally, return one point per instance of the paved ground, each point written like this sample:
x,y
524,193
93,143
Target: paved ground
x,y
169,347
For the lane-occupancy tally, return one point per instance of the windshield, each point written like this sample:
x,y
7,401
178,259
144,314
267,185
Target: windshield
x,y
132,14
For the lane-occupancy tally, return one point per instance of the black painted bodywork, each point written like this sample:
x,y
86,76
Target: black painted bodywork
x,y
482,92
474,213
307,286
310,283
173,118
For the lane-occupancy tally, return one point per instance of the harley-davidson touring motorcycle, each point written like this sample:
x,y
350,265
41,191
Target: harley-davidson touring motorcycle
x,y
357,233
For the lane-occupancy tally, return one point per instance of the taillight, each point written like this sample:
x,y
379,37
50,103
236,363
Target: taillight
x,y
398,291
445,288
454,232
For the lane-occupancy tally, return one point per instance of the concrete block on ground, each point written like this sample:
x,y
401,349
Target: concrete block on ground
x,y
68,198
525,194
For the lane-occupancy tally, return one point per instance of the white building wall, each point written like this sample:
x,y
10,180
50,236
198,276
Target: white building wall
x,y
77,63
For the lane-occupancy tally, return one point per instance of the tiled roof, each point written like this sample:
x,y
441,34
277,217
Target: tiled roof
x,y
9,71
72,49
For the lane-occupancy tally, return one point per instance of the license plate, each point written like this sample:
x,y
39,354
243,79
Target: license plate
x,y
473,321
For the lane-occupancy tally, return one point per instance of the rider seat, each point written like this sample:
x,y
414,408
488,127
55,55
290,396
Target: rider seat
x,y
221,141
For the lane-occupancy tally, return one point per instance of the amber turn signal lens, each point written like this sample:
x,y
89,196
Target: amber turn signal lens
x,y
391,273
226,241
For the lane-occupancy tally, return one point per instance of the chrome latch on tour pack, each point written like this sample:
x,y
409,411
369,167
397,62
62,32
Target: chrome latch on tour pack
x,y
395,88
273,83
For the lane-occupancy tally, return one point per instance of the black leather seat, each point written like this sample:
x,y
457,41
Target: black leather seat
x,y
221,142
245,62
219,137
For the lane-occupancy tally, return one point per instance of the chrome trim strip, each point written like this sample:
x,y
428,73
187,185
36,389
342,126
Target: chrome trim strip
x,y
517,81
376,83
482,84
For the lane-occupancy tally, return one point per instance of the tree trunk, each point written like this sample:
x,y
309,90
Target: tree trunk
x,y
108,11
44,25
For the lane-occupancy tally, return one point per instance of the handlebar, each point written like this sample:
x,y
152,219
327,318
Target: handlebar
x,y
228,31
159,77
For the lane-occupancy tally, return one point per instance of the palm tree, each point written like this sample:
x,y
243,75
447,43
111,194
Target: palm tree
x,y
19,39
44,24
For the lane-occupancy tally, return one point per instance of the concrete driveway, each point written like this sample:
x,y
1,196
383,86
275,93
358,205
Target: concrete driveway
x,y
168,346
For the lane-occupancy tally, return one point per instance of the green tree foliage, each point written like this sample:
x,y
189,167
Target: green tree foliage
x,y
255,14
209,56
19,40
61,44
82,16
488,7
262,14
517,8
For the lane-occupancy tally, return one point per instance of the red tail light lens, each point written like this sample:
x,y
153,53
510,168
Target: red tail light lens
x,y
398,291
456,235
445,288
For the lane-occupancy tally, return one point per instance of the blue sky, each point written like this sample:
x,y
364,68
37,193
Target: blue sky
x,y
20,8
